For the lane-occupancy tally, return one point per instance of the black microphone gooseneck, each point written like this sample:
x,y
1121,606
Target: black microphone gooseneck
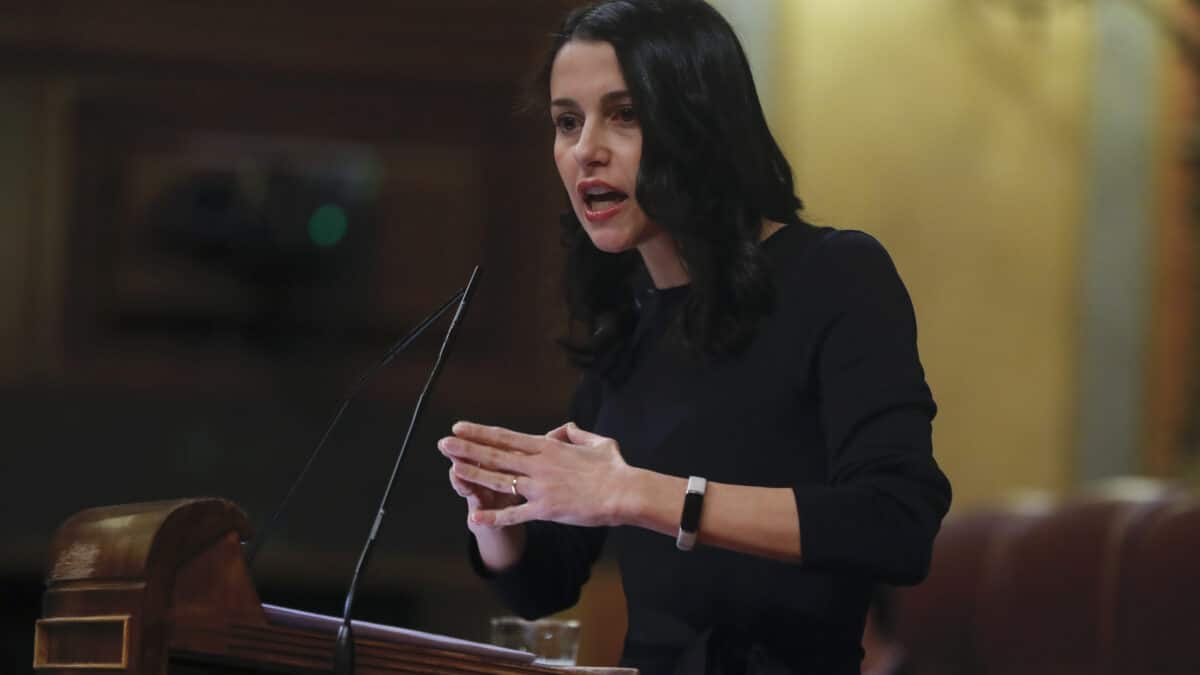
x,y
343,651
252,547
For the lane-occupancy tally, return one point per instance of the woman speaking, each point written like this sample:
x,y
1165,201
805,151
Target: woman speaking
x,y
751,434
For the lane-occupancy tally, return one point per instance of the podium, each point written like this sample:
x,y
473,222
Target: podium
x,y
161,588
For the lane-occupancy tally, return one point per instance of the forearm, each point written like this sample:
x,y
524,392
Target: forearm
x,y
760,521
500,548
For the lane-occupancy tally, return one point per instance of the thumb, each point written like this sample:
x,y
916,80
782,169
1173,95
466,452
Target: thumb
x,y
559,433
581,437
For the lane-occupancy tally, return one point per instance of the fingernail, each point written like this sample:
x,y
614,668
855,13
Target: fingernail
x,y
458,426
476,519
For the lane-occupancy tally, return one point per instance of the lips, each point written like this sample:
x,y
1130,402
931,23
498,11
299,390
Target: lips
x,y
601,199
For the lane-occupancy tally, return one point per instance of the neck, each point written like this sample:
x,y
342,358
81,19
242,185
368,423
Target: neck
x,y
769,228
662,261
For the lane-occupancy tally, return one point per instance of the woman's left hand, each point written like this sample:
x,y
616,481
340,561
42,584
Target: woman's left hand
x,y
567,476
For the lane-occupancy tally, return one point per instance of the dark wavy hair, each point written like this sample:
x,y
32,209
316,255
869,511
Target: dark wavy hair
x,y
710,173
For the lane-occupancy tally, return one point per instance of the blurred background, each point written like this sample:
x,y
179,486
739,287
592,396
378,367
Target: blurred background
x,y
214,217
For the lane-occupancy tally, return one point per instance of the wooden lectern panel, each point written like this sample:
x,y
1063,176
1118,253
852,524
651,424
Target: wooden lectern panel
x,y
161,588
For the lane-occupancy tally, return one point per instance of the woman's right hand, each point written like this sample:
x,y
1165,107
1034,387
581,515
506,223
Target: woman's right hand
x,y
499,547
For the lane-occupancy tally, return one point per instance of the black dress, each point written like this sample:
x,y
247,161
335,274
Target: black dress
x,y
830,400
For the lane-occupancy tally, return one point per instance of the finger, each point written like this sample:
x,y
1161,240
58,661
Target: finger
x,y
477,453
581,437
513,515
492,480
467,491
463,489
499,437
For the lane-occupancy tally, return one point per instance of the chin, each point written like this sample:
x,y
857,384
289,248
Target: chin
x,y
610,240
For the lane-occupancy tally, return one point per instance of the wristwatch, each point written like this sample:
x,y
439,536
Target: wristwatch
x,y
689,521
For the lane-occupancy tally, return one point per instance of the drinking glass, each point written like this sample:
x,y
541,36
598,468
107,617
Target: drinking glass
x,y
554,641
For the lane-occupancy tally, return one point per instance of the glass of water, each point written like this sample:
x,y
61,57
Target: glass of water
x,y
555,641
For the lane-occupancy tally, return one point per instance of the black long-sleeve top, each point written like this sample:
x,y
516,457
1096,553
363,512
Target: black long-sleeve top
x,y
830,400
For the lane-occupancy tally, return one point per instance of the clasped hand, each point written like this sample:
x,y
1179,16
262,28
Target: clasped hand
x,y
568,475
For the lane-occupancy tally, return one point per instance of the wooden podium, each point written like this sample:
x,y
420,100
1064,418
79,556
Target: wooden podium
x,y
161,588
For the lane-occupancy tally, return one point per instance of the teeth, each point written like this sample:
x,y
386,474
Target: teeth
x,y
607,201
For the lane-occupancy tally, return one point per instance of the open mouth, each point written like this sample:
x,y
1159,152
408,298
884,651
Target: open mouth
x,y
602,199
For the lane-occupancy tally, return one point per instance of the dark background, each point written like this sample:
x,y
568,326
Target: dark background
x,y
183,313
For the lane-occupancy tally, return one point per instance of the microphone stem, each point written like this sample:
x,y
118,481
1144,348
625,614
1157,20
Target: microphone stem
x,y
343,657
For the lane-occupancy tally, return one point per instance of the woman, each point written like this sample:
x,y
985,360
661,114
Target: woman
x,y
724,339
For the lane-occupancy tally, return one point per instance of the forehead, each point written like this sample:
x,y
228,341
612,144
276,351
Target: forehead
x,y
585,71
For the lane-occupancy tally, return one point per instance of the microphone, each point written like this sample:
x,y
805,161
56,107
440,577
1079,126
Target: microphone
x,y
251,548
343,650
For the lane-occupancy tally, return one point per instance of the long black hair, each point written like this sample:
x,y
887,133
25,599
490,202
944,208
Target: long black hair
x,y
710,173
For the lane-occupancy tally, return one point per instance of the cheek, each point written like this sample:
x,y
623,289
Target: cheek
x,y
631,153
562,159
567,178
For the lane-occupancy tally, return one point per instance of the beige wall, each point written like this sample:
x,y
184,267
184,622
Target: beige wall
x,y
956,132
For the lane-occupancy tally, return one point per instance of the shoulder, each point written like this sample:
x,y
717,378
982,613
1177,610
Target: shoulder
x,y
850,244
829,258
844,278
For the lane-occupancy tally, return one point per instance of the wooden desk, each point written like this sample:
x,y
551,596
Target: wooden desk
x,y
161,588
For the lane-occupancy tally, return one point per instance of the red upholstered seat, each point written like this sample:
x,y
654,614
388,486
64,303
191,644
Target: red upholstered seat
x,y
1106,583
1050,591
933,621
1158,612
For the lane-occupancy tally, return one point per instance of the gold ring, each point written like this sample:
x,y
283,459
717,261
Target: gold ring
x,y
514,487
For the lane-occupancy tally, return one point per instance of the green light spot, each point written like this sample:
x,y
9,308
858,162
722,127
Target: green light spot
x,y
327,226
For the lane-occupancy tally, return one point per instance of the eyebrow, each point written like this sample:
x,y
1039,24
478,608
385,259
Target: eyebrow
x,y
604,100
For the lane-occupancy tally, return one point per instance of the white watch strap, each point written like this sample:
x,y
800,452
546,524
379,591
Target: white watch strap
x,y
685,541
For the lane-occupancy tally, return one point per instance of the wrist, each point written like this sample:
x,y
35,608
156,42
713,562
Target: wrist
x,y
500,548
651,501
629,499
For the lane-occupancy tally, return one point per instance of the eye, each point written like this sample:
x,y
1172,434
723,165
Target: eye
x,y
566,123
626,115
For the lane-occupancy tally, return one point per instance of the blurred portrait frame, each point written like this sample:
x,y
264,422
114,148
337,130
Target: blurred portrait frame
x,y
157,289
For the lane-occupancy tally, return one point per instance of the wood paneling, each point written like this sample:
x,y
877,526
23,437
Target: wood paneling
x,y
427,91
452,40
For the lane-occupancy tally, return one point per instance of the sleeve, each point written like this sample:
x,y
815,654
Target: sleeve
x,y
557,563
558,558
886,496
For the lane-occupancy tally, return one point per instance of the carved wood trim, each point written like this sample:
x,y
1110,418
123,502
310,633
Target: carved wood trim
x,y
85,640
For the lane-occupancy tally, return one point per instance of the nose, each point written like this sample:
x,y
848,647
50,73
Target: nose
x,y
592,148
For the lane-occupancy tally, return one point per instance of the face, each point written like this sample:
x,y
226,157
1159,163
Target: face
x,y
598,145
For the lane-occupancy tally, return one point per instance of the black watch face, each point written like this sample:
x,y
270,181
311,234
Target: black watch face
x,y
690,521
